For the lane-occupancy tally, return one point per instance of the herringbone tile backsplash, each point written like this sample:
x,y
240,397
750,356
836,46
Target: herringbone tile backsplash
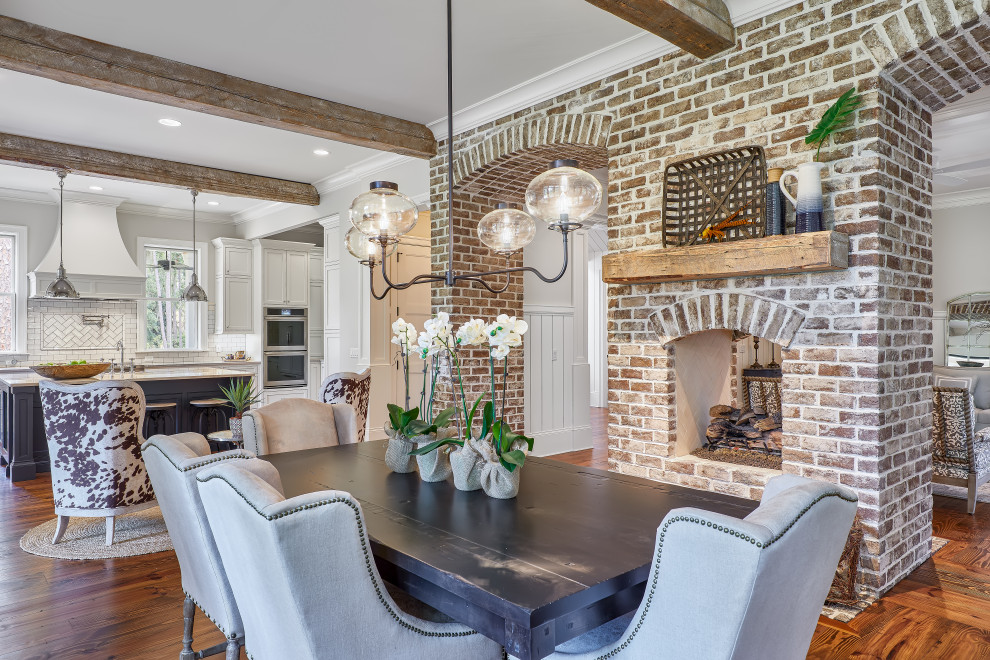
x,y
69,331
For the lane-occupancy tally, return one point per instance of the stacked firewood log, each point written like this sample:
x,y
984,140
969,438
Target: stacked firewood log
x,y
744,429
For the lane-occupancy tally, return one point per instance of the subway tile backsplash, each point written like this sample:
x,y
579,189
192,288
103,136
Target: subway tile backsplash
x,y
57,332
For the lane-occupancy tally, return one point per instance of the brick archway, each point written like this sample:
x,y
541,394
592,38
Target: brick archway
x,y
742,312
936,50
506,160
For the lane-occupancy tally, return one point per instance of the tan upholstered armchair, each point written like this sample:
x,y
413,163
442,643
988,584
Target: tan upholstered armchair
x,y
960,456
294,424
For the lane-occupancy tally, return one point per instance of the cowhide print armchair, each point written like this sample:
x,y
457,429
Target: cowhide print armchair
x,y
960,455
352,389
94,443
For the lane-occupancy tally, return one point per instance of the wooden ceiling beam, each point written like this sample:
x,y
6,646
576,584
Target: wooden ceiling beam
x,y
701,27
71,59
43,154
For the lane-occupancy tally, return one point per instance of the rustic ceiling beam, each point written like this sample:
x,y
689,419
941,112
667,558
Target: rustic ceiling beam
x,y
701,27
43,154
71,59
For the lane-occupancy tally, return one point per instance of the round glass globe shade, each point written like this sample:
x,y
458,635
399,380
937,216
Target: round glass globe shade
x,y
363,248
384,212
563,194
507,230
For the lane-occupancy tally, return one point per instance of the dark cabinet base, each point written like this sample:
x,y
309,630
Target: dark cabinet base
x,y
24,448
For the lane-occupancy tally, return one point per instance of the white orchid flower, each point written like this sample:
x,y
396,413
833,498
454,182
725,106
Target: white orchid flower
x,y
404,333
472,333
506,331
501,352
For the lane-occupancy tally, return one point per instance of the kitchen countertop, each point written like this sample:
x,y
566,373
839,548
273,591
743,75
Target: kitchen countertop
x,y
30,379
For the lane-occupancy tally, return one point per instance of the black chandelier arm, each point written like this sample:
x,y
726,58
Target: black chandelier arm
x,y
426,277
473,278
522,269
371,274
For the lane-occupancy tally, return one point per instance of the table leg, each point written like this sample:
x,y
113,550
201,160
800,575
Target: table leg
x,y
529,643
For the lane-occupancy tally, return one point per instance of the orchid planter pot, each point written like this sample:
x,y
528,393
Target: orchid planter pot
x,y
397,456
476,465
434,466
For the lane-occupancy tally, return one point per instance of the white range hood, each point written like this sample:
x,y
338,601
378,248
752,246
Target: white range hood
x,y
96,261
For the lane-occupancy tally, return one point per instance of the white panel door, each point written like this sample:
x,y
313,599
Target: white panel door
x,y
273,287
297,279
237,261
237,305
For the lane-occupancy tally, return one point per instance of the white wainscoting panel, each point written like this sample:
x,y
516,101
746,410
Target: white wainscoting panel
x,y
556,405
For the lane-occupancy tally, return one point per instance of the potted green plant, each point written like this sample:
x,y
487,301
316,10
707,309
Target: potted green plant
x,y
240,396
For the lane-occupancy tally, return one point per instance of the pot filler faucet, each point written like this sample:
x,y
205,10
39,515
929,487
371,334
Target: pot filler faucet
x,y
120,347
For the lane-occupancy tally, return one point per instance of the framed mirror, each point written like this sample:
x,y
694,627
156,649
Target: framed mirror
x,y
967,331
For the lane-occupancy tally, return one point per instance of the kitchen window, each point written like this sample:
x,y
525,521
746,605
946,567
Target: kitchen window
x,y
13,290
170,323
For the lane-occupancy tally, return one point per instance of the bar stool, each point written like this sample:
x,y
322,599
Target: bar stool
x,y
207,411
157,417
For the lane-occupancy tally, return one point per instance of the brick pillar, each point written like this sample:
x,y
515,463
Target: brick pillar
x,y
470,300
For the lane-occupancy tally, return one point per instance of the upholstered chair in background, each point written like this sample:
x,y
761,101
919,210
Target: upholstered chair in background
x,y
173,463
294,424
728,589
352,389
960,454
305,580
94,443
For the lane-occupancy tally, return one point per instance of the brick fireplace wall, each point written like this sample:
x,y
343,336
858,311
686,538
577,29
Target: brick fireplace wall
x,y
857,370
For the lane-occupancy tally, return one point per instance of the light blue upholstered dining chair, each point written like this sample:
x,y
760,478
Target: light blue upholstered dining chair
x,y
173,463
305,580
728,589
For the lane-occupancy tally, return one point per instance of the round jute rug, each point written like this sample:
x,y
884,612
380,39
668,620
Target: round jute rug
x,y
139,533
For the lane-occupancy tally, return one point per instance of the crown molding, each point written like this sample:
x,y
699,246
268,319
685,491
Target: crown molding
x,y
27,196
174,214
331,221
258,211
962,198
359,171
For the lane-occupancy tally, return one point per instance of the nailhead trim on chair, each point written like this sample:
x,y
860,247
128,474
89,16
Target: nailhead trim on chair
x,y
213,459
720,528
364,549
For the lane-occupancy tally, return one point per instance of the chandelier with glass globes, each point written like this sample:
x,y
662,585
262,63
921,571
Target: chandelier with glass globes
x,y
562,197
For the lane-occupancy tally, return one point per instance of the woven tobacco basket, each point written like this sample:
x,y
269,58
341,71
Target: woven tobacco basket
x,y
704,191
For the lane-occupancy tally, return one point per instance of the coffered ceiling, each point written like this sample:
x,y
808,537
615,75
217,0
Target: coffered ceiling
x,y
382,55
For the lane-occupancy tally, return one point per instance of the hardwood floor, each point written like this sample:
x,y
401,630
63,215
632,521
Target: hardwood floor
x,y
132,608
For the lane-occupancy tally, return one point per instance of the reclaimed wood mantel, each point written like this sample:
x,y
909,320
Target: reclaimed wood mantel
x,y
791,253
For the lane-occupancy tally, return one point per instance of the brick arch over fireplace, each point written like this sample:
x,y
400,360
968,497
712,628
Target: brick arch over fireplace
x,y
745,313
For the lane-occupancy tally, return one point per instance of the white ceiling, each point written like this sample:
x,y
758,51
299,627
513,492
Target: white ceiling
x,y
382,55
960,135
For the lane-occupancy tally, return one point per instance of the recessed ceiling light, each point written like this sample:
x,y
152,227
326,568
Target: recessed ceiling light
x,y
321,152
214,203
96,187
170,122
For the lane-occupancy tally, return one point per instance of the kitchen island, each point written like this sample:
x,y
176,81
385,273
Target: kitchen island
x,y
22,430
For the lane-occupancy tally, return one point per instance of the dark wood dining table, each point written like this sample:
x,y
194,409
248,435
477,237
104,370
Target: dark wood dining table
x,y
571,552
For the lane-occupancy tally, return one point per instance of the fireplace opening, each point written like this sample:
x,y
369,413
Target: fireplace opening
x,y
728,398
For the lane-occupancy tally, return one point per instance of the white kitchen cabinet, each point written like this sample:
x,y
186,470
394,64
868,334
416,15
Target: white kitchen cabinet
x,y
273,274
285,277
234,286
237,261
297,279
273,394
236,305
315,378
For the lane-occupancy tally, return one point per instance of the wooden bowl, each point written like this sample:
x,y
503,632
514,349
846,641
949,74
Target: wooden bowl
x,y
70,371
